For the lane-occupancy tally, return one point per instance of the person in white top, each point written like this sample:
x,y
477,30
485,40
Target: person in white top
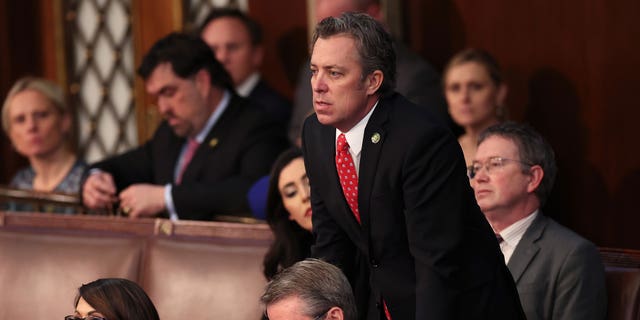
x,y
559,275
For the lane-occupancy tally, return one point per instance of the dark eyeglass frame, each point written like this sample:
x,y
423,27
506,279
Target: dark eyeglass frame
x,y
89,317
322,315
489,165
318,317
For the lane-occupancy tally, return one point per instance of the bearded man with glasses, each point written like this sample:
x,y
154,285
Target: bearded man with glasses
x,y
559,275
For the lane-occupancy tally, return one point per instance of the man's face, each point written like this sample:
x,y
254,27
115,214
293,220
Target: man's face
x,y
504,189
230,41
340,96
289,308
182,102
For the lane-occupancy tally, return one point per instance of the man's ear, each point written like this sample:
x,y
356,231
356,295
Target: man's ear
x,y
536,174
202,80
373,82
335,313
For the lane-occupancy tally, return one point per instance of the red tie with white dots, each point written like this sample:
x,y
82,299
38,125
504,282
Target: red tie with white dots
x,y
347,174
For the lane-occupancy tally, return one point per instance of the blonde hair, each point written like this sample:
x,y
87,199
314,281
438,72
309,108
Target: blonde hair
x,y
47,88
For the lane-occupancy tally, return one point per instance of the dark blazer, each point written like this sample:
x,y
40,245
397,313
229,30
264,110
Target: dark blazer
x,y
238,150
271,102
559,275
428,249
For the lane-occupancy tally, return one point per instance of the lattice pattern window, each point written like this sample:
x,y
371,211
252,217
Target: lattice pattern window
x,y
196,10
100,70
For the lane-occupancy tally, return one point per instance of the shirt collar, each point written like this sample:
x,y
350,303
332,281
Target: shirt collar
x,y
245,88
215,115
513,233
355,135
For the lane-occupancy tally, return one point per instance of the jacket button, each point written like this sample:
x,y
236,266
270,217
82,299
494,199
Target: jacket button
x,y
374,263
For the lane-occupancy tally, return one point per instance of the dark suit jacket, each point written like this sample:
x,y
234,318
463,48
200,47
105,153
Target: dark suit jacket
x,y
416,79
429,250
559,275
238,150
271,102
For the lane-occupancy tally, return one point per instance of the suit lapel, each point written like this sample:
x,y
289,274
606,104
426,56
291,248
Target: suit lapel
x,y
374,138
170,151
527,248
215,137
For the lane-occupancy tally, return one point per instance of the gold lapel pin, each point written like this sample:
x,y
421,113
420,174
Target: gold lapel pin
x,y
375,138
213,142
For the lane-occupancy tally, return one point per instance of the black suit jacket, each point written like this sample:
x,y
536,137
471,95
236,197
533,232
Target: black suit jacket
x,y
238,150
428,249
271,102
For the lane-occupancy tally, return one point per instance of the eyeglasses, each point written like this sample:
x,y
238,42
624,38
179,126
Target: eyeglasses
x,y
322,315
85,318
491,164
318,317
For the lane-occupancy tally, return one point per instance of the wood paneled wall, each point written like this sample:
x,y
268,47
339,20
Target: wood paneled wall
x,y
20,54
571,67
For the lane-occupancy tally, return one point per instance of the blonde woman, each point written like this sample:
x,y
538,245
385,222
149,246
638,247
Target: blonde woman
x,y
38,123
475,92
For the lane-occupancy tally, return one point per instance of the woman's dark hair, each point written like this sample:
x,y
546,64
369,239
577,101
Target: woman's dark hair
x,y
292,243
118,299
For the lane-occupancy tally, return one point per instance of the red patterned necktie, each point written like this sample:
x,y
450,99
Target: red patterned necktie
x,y
192,145
347,174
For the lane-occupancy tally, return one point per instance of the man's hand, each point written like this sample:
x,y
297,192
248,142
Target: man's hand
x,y
99,191
142,199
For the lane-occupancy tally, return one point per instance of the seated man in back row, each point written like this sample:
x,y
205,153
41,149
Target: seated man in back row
x,y
236,41
559,275
204,156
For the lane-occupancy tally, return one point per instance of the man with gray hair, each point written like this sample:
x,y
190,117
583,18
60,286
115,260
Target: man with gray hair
x,y
559,275
309,289
392,206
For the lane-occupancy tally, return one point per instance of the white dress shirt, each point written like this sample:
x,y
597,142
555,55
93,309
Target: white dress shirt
x,y
513,233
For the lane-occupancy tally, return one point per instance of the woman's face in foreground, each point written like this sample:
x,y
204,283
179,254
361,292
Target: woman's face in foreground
x,y
294,190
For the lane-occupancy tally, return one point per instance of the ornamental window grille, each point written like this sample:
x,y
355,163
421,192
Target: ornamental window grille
x,y
100,73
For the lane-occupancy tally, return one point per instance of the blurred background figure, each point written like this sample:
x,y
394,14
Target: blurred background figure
x,y
309,290
236,40
210,149
38,123
288,213
475,92
416,79
113,299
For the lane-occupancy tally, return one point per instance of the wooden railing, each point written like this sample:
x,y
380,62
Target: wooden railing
x,y
40,199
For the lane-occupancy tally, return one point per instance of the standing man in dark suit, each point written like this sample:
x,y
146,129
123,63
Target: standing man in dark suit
x,y
417,79
559,275
391,202
236,40
204,156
